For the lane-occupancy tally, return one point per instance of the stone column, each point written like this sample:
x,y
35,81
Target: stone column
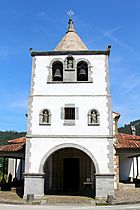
x,y
104,185
34,184
116,171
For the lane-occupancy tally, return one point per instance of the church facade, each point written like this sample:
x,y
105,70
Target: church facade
x,y
69,142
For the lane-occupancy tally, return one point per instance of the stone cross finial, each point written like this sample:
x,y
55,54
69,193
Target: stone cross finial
x,y
71,26
70,13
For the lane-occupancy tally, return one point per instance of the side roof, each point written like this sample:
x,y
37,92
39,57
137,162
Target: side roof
x,y
127,141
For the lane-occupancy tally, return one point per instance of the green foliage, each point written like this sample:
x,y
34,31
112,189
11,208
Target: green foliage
x,y
2,167
127,127
8,135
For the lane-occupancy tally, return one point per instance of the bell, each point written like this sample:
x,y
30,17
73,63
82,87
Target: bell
x,y
57,74
82,73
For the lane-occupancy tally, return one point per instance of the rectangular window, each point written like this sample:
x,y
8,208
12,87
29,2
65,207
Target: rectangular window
x,y
69,113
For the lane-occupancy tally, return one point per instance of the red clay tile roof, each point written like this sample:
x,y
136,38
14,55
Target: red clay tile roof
x,y
125,136
127,141
12,147
19,140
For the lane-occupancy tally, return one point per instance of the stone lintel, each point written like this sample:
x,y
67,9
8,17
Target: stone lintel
x,y
104,175
33,175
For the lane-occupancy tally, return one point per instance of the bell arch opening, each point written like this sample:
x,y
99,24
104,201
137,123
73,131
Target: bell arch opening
x,y
69,171
82,71
57,71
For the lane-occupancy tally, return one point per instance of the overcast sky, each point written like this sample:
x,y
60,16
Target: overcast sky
x,y
41,24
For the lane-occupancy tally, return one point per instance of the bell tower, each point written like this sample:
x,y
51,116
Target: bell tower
x,y
69,120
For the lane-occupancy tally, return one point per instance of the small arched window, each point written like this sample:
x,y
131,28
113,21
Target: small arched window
x,y
57,71
93,117
45,117
82,71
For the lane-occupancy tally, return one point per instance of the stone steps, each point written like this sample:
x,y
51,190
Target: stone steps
x,y
67,199
126,185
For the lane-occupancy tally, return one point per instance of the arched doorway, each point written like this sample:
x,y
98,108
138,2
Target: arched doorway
x,y
69,171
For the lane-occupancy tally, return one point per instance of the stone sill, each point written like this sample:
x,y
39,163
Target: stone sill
x,y
45,124
93,124
64,82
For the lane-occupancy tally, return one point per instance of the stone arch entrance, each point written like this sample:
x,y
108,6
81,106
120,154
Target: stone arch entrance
x,y
69,170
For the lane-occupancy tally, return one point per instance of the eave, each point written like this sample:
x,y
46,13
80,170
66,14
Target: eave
x,y
13,151
84,52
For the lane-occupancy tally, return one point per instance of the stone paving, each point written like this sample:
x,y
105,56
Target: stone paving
x,y
10,197
126,194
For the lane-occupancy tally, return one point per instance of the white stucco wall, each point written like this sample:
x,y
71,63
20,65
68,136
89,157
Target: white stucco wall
x,y
41,146
98,87
128,167
85,96
84,104
135,168
125,167
12,163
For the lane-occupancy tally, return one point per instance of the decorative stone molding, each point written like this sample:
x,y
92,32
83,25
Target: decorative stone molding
x,y
69,73
50,79
68,145
89,69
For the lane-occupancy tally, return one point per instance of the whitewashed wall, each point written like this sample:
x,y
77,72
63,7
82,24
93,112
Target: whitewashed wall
x,y
41,146
85,96
128,168
84,104
98,87
96,141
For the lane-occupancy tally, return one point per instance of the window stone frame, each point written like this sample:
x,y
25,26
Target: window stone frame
x,y
69,75
49,68
90,79
69,122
